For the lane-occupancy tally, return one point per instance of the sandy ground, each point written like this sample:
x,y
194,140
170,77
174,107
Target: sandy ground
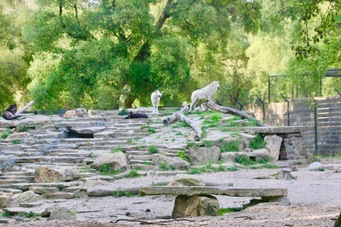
x,y
315,200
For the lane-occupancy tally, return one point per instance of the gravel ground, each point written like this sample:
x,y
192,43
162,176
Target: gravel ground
x,y
314,196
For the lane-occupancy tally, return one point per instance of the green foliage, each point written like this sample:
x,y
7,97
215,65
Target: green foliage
x,y
6,133
164,166
133,174
117,193
22,128
153,150
16,141
258,142
244,160
107,169
208,143
6,214
229,146
182,155
223,211
194,171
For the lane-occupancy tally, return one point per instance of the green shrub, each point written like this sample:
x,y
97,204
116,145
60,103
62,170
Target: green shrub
x,y
182,155
117,193
133,174
153,150
107,169
258,142
244,160
16,141
230,146
22,128
6,133
208,143
194,171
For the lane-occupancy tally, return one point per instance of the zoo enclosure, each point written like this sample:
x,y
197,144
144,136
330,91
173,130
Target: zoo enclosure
x,y
321,115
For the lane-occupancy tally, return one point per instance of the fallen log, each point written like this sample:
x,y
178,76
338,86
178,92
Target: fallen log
x,y
191,123
170,119
22,110
230,110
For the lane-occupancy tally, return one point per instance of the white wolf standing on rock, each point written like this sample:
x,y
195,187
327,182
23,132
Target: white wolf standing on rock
x,y
155,97
203,93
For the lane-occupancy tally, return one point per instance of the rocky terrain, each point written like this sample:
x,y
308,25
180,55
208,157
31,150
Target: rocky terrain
x,y
55,170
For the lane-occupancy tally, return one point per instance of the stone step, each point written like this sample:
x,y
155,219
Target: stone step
x,y
139,158
26,186
48,159
141,161
142,167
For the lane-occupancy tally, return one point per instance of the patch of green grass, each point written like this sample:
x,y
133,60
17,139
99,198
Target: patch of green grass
x,y
117,193
244,160
6,214
22,128
107,169
235,134
31,214
223,211
16,141
192,145
184,124
133,174
115,150
194,171
128,194
208,143
129,140
230,146
182,155
153,150
151,130
258,142
232,168
6,133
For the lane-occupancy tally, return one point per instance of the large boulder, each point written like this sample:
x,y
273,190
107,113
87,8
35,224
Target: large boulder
x,y
59,213
204,155
186,180
25,197
118,161
273,144
48,174
193,206
175,162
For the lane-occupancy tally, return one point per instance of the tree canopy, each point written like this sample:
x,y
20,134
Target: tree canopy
x,y
107,54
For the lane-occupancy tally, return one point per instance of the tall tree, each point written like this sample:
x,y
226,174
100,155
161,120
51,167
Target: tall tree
x,y
127,48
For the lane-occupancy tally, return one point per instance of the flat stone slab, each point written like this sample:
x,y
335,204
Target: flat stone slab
x,y
204,190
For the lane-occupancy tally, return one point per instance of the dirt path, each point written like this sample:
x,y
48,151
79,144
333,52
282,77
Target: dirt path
x,y
315,200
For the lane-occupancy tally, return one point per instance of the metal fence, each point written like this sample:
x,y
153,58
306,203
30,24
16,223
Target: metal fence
x,y
321,115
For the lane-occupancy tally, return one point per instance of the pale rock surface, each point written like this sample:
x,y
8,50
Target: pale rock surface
x,y
117,160
203,155
193,206
175,162
46,174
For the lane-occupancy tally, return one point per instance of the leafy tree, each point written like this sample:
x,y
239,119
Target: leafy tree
x,y
123,50
14,56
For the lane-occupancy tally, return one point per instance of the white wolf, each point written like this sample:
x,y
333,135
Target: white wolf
x,y
203,93
155,97
79,112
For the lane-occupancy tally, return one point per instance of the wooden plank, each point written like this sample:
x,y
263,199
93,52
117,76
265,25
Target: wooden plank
x,y
205,190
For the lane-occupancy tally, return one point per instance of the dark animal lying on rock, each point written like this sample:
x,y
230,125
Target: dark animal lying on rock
x,y
132,115
9,113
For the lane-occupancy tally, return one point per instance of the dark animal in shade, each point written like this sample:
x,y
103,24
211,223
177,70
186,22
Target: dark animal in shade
x,y
133,115
9,113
